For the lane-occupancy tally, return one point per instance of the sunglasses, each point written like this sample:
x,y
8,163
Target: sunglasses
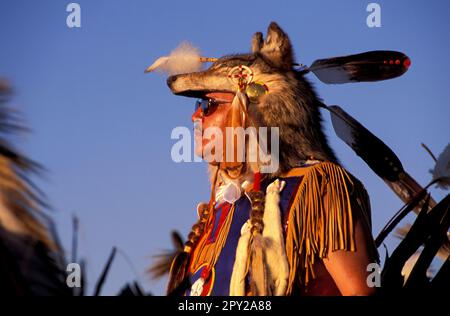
x,y
208,106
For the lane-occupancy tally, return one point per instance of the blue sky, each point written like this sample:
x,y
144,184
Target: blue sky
x,y
102,128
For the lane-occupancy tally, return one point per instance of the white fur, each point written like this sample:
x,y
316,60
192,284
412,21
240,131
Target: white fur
x,y
276,259
237,284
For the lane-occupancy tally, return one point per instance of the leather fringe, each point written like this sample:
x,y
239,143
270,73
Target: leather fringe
x,y
320,219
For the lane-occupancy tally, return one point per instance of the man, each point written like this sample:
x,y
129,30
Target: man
x,y
300,228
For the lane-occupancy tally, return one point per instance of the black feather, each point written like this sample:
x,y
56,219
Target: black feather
x,y
380,158
368,66
178,274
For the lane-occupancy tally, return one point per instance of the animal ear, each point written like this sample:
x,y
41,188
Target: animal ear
x,y
277,47
257,42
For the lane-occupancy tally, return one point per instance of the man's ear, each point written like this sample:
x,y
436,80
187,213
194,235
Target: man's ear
x,y
277,48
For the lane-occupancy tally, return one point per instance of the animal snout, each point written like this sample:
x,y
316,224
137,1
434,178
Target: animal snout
x,y
171,80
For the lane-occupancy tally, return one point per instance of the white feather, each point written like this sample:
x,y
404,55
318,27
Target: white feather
x,y
442,169
158,63
409,265
183,59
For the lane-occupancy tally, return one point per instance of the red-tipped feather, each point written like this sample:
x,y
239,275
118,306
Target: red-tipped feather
x,y
368,66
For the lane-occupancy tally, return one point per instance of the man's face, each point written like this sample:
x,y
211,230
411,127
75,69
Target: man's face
x,y
216,119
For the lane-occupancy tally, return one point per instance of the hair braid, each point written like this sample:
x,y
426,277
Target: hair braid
x,y
257,269
198,228
257,211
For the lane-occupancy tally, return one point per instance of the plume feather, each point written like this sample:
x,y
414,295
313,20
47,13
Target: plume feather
x,y
183,59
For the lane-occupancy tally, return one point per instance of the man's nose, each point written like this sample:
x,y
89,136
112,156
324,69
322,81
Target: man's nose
x,y
197,115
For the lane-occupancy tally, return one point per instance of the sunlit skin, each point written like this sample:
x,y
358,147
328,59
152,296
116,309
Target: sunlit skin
x,y
216,118
349,269
342,272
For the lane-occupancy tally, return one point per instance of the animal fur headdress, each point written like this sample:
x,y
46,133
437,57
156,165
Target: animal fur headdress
x,y
289,104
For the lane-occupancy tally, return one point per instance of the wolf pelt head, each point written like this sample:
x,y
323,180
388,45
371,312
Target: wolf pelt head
x,y
290,104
